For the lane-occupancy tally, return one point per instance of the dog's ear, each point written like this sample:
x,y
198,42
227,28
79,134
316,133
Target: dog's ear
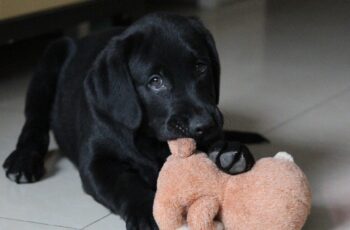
x,y
198,25
109,87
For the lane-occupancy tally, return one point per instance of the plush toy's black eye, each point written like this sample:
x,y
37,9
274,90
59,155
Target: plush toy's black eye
x,y
201,67
156,82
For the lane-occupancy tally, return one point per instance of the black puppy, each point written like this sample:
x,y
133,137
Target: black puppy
x,y
113,99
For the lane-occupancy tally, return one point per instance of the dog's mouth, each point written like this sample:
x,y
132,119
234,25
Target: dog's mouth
x,y
179,130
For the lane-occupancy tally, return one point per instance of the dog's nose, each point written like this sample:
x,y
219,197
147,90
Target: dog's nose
x,y
199,126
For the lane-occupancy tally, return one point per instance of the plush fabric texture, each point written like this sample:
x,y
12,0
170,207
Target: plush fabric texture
x,y
275,194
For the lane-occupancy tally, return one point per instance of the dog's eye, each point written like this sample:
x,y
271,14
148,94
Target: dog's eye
x,y
156,82
201,67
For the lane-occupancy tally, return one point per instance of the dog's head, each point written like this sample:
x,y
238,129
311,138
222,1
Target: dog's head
x,y
161,75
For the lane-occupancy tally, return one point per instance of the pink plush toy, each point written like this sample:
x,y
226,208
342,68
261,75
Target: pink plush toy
x,y
274,195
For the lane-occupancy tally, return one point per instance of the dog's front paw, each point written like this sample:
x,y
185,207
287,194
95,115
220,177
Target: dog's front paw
x,y
232,157
141,222
140,216
23,166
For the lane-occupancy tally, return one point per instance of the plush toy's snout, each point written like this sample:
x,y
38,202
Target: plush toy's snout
x,y
183,147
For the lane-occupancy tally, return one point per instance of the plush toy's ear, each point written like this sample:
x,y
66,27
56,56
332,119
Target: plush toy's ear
x,y
183,147
284,156
214,57
109,87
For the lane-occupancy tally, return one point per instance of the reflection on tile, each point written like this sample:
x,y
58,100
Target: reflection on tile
x,y
276,65
343,226
11,123
13,90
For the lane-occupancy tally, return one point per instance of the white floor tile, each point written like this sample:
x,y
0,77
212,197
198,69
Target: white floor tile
x,y
57,200
111,222
6,224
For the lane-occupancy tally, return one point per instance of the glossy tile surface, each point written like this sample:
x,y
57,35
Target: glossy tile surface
x,y
285,73
110,222
6,224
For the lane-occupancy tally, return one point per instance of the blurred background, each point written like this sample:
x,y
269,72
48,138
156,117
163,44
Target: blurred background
x,y
285,74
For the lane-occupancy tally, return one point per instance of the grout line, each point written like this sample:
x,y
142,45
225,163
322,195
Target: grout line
x,y
88,225
34,222
305,111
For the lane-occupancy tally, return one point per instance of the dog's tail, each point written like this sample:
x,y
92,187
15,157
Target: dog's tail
x,y
245,137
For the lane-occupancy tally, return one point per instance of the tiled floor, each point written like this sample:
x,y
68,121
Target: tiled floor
x,y
285,73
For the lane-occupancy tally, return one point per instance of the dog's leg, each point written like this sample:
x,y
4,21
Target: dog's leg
x,y
121,188
26,163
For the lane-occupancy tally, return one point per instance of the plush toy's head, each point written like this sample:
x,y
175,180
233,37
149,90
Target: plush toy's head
x,y
183,147
274,195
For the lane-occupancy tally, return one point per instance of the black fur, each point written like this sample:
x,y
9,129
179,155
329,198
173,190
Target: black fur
x,y
114,98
